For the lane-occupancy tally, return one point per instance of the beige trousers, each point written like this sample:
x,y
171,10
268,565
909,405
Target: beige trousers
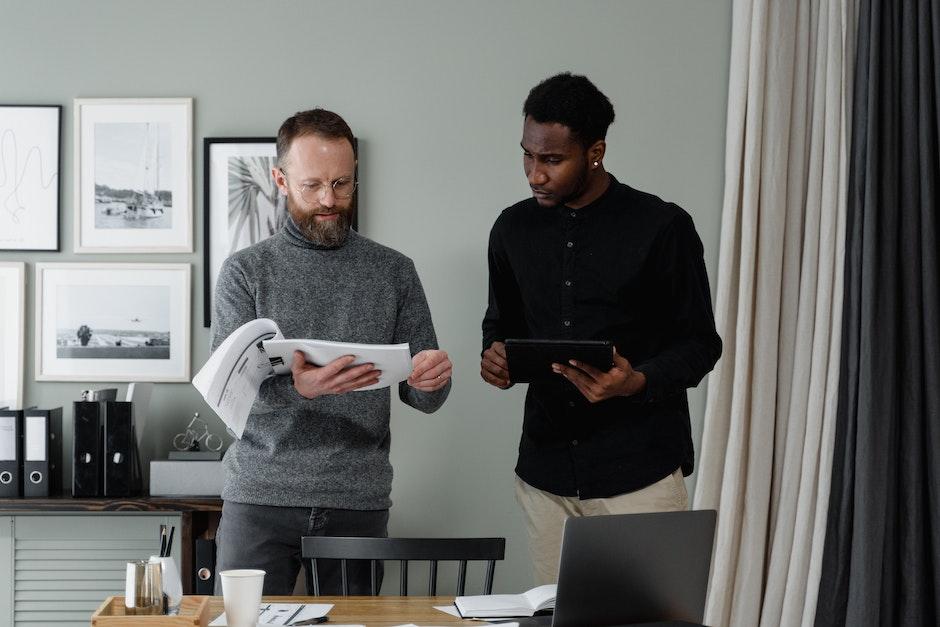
x,y
545,515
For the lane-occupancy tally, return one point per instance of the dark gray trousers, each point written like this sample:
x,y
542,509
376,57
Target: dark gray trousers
x,y
268,537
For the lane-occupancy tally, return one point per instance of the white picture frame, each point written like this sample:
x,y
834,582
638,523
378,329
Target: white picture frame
x,y
133,175
12,332
30,138
136,319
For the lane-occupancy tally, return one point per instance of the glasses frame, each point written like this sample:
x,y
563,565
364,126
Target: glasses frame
x,y
305,188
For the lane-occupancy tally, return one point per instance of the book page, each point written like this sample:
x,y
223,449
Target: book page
x,y
542,597
394,360
230,379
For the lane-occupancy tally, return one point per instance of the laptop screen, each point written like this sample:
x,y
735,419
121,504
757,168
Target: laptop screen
x,y
634,568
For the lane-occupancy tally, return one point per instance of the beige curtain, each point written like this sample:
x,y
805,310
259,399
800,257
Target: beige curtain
x,y
767,446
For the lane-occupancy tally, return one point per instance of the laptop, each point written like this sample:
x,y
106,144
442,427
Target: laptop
x,y
632,569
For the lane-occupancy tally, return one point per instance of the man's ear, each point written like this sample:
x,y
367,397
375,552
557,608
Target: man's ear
x,y
597,151
280,180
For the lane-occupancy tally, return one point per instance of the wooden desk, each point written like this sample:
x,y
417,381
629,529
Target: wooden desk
x,y
372,611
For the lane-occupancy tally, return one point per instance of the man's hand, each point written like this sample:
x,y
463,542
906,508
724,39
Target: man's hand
x,y
335,377
597,385
493,367
431,370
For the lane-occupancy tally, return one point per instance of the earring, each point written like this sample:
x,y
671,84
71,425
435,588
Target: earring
x,y
595,164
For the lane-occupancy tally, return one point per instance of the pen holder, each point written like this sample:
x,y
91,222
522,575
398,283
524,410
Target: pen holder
x,y
172,584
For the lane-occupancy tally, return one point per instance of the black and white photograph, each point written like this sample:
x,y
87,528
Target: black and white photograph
x,y
112,321
133,165
12,332
29,177
131,161
242,203
134,325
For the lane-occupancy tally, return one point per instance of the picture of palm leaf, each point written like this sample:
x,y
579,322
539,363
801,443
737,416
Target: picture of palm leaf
x,y
255,208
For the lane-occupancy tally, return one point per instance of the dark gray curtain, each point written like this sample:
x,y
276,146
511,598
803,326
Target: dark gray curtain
x,y
881,564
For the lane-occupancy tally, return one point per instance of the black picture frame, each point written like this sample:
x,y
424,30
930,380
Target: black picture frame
x,y
216,214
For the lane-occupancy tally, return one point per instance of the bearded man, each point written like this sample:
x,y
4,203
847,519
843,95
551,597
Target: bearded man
x,y
314,457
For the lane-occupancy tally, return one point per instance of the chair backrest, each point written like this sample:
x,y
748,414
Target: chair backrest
x,y
431,550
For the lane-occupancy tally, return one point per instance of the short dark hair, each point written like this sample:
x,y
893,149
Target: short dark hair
x,y
318,122
573,101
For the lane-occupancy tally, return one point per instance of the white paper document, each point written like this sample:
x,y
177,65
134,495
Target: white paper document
x,y
493,605
283,613
230,379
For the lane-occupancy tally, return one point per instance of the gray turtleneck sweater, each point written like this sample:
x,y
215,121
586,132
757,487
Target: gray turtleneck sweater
x,y
331,451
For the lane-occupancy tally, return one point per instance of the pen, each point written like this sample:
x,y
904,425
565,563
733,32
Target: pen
x,y
311,621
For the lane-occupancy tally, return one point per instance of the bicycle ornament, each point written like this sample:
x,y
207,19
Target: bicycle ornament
x,y
197,431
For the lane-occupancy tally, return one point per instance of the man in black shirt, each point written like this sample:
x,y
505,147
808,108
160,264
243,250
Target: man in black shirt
x,y
588,257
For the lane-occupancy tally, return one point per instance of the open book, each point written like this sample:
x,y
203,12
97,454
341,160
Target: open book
x,y
493,605
230,379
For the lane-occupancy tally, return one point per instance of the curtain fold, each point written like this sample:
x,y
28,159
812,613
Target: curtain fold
x,y
882,551
770,414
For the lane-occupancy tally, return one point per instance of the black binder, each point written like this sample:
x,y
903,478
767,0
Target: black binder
x,y
42,452
121,466
87,441
204,566
11,453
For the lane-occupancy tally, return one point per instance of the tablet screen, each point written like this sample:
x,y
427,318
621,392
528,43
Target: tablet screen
x,y
530,361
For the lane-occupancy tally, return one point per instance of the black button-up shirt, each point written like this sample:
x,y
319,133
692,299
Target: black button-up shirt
x,y
627,268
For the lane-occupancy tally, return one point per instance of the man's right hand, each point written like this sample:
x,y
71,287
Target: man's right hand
x,y
493,367
335,377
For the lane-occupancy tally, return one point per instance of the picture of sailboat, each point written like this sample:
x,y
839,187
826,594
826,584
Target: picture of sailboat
x,y
132,159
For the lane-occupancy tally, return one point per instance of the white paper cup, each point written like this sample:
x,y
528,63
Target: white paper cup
x,y
241,594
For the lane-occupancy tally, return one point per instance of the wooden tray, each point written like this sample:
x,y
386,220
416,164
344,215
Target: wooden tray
x,y
194,612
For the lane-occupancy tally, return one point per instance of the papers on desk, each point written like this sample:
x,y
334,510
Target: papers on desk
x,y
283,614
230,379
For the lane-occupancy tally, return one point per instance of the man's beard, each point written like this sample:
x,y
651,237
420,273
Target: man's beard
x,y
327,233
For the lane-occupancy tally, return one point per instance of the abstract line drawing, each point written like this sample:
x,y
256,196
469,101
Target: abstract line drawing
x,y
29,177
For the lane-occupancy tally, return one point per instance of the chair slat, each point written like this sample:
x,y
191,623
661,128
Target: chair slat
x,y
432,579
375,577
403,589
345,578
490,569
462,578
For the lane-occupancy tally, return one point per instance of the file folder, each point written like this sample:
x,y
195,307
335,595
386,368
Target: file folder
x,y
42,452
87,479
121,466
11,453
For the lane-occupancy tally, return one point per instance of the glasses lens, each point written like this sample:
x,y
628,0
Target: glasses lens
x,y
344,188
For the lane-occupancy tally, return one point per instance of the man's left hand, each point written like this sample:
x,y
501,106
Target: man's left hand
x,y
431,370
597,385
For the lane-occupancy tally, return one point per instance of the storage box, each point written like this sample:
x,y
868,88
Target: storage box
x,y
194,612
186,478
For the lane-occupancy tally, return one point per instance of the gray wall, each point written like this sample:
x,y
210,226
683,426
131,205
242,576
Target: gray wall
x,y
434,90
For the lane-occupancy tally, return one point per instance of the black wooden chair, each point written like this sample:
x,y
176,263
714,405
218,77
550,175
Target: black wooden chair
x,y
430,550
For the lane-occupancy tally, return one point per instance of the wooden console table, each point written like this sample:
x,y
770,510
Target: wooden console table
x,y
199,516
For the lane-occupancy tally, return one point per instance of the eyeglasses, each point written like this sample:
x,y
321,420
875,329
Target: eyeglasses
x,y
342,188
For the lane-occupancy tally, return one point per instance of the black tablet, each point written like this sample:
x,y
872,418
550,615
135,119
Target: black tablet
x,y
530,361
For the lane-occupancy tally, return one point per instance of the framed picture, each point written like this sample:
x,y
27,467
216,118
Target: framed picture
x,y
112,321
12,332
242,204
30,137
133,175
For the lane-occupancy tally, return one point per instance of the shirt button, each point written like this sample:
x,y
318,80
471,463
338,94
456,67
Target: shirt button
x,y
574,443
570,244
567,323
567,283
570,403
574,214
